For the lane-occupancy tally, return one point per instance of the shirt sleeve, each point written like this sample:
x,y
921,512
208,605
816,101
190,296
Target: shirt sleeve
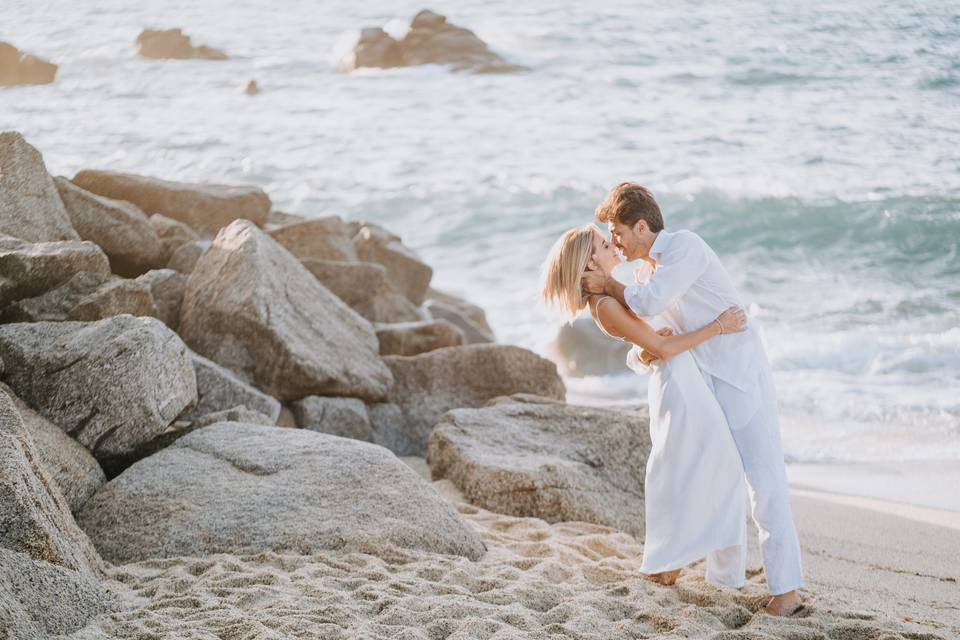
x,y
678,268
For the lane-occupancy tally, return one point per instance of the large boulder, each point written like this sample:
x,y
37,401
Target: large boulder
x,y
112,384
241,489
30,207
172,233
581,349
75,472
413,338
278,219
253,308
472,332
430,384
166,287
29,269
365,287
552,461
218,389
43,600
410,275
86,296
34,516
17,67
319,239
173,44
472,312
186,256
390,429
345,417
120,228
204,207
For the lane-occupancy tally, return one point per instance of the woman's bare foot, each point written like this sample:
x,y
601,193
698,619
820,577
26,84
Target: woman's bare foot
x,y
667,578
784,605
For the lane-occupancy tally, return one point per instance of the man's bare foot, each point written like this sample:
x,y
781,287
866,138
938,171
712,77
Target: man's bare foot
x,y
667,578
784,605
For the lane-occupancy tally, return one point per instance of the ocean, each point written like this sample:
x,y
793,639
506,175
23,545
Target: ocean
x,y
813,145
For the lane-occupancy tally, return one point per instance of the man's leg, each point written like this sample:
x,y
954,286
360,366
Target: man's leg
x,y
761,451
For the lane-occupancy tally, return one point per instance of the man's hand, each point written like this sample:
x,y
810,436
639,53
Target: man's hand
x,y
593,281
645,356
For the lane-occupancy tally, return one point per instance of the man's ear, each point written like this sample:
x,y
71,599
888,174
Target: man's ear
x,y
640,227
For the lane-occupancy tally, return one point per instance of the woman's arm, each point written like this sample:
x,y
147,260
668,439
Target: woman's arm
x,y
620,322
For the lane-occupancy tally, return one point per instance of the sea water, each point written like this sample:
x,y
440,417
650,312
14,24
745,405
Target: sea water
x,y
814,145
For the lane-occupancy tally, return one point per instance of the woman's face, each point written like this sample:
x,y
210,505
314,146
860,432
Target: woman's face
x,y
604,253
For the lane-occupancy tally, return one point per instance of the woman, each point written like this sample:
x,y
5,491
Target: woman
x,y
694,484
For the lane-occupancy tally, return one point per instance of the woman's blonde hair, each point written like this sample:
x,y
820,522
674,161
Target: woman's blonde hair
x,y
567,261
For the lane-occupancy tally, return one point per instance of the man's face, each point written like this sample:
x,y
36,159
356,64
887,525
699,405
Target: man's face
x,y
628,240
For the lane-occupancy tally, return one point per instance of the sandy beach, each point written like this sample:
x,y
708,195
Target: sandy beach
x,y
871,574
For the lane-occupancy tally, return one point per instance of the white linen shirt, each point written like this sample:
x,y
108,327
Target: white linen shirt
x,y
691,288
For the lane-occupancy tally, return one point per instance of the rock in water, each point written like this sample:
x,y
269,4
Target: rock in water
x,y
120,228
364,286
374,48
219,389
72,468
173,44
564,462
410,275
29,269
413,338
253,308
43,600
204,207
34,516
112,384
344,417
30,207
430,40
581,349
430,384
22,68
242,489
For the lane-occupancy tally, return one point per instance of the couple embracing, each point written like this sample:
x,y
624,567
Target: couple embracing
x,y
714,425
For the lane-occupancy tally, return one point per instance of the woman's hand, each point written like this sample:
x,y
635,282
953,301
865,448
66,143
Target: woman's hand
x,y
733,320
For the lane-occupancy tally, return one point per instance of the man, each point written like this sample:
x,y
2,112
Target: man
x,y
691,287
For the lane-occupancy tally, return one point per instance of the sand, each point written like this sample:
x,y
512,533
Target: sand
x,y
872,575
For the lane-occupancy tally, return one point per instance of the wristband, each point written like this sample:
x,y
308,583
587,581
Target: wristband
x,y
717,320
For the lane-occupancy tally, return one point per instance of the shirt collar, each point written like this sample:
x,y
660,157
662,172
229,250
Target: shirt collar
x,y
660,243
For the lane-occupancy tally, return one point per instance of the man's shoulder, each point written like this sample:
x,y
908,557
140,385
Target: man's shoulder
x,y
685,239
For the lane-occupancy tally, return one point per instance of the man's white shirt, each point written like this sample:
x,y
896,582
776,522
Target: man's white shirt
x,y
691,288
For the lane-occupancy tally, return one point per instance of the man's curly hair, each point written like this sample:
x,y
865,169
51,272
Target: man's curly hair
x,y
628,203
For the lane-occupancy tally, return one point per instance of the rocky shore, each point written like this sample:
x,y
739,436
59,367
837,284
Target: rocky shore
x,y
222,420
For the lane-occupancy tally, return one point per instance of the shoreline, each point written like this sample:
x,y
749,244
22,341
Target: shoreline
x,y
915,486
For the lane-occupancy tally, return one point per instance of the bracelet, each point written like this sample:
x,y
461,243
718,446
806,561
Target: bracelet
x,y
717,320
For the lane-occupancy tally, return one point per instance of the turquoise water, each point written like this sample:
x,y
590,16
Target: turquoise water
x,y
814,145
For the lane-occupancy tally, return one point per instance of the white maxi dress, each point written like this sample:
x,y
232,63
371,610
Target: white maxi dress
x,y
695,492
